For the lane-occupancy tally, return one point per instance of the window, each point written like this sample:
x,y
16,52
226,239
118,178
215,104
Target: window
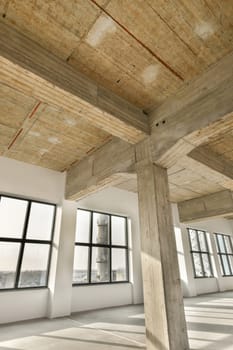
x,y
200,253
26,230
225,253
101,248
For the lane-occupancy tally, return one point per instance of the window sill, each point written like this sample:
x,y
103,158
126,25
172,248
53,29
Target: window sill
x,y
227,275
99,284
22,289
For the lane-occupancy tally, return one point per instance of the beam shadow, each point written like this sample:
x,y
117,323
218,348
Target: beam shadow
x,y
81,340
208,327
112,330
206,306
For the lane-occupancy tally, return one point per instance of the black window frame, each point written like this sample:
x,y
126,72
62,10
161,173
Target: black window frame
x,y
200,252
110,246
24,240
220,254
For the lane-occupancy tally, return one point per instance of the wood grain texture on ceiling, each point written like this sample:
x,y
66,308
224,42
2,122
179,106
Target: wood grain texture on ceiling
x,y
43,135
191,179
199,179
222,145
143,50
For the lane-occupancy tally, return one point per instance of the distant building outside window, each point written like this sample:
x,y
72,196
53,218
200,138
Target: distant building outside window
x,y
26,232
101,248
225,253
200,253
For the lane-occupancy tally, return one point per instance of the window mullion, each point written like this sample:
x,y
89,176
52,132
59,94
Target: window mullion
x,y
191,251
218,245
110,248
228,263
127,248
22,241
211,269
226,253
223,267
200,253
208,253
90,248
230,244
51,246
224,243
20,259
230,240
194,267
219,253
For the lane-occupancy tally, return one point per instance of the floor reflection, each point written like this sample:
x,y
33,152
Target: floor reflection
x,y
209,322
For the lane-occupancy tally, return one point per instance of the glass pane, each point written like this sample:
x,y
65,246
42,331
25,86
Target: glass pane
x,y
202,241
226,265
193,239
12,217
80,271
221,264
118,230
83,222
100,228
228,244
206,263
34,265
230,257
119,265
9,253
221,244
197,265
41,221
100,265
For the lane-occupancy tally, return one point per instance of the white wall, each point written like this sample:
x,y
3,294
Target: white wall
x,y
61,271
115,201
196,286
218,283
23,305
96,297
24,180
33,182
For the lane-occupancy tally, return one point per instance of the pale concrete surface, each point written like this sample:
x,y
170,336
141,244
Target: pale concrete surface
x,y
209,319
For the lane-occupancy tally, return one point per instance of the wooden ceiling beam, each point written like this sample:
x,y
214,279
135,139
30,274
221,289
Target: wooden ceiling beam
x,y
205,155
212,205
200,110
27,67
109,165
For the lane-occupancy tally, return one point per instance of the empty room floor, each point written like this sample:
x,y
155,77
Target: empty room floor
x,y
209,321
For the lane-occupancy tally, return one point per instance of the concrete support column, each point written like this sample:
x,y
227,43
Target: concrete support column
x,y
164,310
60,281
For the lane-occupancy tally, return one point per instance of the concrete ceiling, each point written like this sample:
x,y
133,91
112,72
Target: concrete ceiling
x,y
141,50
190,178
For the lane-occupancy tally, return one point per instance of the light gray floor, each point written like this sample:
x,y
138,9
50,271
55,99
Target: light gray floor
x,y
209,321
